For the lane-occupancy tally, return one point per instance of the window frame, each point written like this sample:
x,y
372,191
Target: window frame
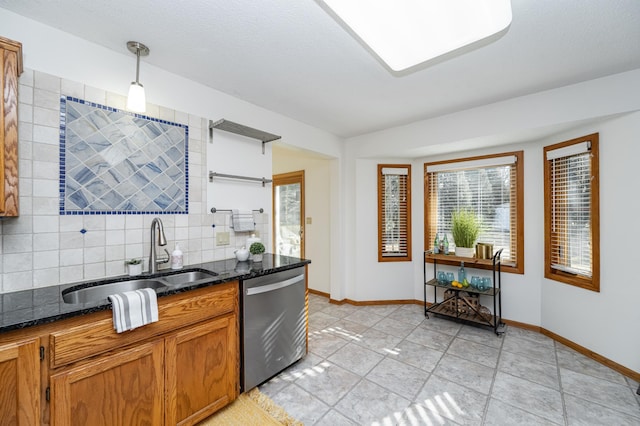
x,y
589,283
380,178
518,266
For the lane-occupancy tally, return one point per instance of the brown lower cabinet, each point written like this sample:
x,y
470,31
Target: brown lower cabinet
x,y
123,388
176,371
20,383
200,369
176,380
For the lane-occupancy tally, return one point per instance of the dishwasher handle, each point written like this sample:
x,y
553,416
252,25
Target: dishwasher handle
x,y
274,286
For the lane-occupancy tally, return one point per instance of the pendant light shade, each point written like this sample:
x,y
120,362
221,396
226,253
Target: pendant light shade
x,y
136,100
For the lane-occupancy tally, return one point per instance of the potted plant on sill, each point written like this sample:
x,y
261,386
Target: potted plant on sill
x,y
256,249
464,229
134,267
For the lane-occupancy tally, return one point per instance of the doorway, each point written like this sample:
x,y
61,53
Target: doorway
x,y
288,214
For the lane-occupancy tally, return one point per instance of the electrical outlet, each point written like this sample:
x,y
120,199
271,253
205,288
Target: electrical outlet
x,y
222,238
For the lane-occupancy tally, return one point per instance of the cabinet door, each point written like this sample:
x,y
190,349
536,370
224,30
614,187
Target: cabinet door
x,y
20,383
120,388
202,370
10,69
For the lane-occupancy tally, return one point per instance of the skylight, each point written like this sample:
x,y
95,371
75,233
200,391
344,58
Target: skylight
x,y
405,33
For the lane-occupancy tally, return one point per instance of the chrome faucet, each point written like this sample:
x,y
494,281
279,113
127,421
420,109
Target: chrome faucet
x,y
162,241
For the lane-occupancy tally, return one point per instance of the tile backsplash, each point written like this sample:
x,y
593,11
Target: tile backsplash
x,y
113,161
41,247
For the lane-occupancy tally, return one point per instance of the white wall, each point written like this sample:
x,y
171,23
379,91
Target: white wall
x,y
373,280
604,322
572,313
58,53
515,120
317,175
35,245
237,155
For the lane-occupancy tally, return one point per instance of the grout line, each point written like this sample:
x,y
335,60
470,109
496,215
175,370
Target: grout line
x,y
430,374
565,414
485,411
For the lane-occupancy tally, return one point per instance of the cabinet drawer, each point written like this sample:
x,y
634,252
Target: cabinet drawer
x,y
97,335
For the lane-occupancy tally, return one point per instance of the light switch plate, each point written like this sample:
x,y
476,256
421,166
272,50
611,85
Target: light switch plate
x,y
308,221
222,238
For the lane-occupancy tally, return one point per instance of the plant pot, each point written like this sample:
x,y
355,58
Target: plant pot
x,y
257,257
465,251
134,269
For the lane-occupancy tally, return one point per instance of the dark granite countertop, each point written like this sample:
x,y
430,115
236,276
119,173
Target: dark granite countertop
x,y
44,305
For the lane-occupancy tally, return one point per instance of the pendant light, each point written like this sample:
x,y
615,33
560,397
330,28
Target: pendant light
x,y
136,100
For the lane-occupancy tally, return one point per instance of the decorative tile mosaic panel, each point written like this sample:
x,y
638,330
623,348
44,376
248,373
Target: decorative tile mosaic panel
x,y
117,162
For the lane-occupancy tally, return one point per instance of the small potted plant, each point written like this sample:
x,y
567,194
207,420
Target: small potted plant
x,y
256,249
134,266
464,229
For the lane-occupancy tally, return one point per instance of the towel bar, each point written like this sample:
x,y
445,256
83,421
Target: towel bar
x,y
249,178
214,210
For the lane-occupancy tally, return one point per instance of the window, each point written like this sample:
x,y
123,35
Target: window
x,y
394,212
491,187
571,206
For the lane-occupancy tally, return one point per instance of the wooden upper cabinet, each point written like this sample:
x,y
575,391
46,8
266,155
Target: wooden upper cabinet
x,y
10,70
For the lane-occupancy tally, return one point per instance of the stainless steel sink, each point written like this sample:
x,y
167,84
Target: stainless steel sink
x,y
101,292
187,277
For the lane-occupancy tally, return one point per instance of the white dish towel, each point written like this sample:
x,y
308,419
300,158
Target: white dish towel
x,y
133,309
242,220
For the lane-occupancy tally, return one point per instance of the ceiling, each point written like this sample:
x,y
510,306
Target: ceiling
x,y
291,57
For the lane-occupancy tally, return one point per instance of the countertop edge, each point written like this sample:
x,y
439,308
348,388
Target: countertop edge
x,y
227,270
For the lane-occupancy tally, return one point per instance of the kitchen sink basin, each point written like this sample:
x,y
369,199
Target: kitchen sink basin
x,y
187,277
101,292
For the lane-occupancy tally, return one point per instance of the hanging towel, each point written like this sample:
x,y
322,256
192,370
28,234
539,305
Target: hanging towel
x,y
133,309
242,220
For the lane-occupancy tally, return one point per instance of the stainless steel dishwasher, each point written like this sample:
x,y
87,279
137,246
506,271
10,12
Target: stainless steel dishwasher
x,y
273,323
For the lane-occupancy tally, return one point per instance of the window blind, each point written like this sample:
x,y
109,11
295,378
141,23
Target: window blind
x,y
394,212
571,242
503,160
569,150
488,189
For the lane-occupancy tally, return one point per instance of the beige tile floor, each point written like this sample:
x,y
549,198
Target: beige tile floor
x,y
389,365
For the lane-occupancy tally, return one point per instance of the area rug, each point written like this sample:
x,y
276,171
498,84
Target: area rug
x,y
251,408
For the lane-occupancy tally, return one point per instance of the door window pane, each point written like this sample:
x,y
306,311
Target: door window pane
x,y
287,220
